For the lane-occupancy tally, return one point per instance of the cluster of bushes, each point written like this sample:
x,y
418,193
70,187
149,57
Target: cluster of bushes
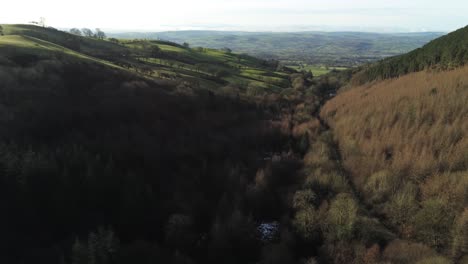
x,y
332,226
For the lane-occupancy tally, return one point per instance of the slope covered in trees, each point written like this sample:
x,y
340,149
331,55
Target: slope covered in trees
x,y
404,142
447,52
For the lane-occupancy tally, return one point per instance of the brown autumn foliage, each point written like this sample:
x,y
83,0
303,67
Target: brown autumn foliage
x,y
405,143
372,255
402,252
415,125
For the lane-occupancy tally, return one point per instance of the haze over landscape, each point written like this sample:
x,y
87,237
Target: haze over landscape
x,y
245,15
253,132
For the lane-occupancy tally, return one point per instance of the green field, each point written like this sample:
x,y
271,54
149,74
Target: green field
x,y
31,46
209,66
315,69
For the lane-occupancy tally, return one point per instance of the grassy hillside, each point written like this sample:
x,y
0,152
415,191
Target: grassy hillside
x,y
405,144
89,46
447,52
25,49
210,67
315,48
192,68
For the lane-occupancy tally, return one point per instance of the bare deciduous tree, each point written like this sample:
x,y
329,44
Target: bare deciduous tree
x,y
75,31
42,21
100,34
87,32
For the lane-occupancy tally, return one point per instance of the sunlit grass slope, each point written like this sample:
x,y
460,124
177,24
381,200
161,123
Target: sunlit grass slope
x,y
188,68
30,48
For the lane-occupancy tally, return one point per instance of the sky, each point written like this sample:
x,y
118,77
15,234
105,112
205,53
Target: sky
x,y
244,15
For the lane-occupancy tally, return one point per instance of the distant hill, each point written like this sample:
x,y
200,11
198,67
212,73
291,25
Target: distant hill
x,y
446,52
328,48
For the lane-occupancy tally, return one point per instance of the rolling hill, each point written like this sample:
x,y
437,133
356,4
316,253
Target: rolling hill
x,y
166,60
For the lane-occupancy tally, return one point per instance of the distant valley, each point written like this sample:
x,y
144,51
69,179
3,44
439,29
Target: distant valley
x,y
345,49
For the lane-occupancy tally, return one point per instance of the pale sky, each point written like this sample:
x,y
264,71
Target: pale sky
x,y
248,15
